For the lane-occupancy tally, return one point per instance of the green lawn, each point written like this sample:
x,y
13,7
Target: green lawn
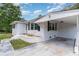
x,y
5,36
30,35
18,43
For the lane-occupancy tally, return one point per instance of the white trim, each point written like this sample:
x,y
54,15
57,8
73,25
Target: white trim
x,y
76,48
58,15
30,26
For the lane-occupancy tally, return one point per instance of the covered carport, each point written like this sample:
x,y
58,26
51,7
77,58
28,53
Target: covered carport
x,y
68,25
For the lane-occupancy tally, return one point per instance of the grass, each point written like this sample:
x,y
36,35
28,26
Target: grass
x,y
30,35
18,43
5,36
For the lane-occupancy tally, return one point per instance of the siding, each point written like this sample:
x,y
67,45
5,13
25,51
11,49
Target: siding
x,y
19,29
64,30
67,30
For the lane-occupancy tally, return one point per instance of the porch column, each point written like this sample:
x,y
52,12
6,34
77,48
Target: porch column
x,y
43,31
77,37
27,26
30,25
33,26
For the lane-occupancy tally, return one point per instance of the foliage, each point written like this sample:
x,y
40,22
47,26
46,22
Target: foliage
x,y
30,35
18,43
8,14
75,6
5,36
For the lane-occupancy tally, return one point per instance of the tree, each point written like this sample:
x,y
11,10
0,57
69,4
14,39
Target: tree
x,y
8,13
74,6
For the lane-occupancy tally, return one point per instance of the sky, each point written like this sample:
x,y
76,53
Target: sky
x,y
32,10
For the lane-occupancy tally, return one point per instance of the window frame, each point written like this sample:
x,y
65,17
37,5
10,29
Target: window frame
x,y
52,26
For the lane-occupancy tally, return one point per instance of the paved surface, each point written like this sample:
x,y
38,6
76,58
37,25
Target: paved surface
x,y
47,48
26,38
6,48
60,48
36,50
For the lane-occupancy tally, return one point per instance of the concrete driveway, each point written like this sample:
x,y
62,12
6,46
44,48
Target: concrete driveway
x,y
60,47
53,47
48,48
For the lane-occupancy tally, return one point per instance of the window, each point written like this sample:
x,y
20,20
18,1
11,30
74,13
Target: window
x,y
35,27
32,26
52,26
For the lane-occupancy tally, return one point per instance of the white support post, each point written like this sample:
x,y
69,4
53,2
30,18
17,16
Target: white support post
x,y
34,26
77,37
27,26
30,25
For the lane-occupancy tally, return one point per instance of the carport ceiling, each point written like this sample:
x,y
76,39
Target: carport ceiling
x,y
70,19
